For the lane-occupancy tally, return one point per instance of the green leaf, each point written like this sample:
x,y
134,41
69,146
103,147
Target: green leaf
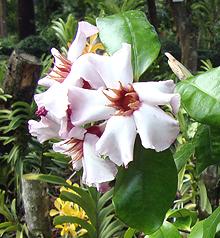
x,y
130,27
145,190
184,218
200,96
129,233
183,153
206,228
70,219
5,224
165,231
47,178
60,181
204,200
207,150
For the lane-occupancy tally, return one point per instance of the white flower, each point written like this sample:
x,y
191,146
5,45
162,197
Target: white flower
x,y
96,170
130,108
68,69
54,111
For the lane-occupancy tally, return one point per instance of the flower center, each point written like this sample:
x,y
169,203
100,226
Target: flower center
x,y
69,123
95,130
125,100
41,112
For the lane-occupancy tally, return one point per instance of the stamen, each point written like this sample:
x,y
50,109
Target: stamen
x,y
125,99
110,98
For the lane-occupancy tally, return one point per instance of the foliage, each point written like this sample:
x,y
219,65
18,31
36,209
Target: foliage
x,y
150,181
133,186
34,45
11,223
7,45
130,27
3,68
65,31
99,208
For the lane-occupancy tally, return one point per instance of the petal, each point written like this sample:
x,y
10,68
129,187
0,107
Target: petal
x,y
88,106
114,68
47,82
83,69
77,165
95,168
63,148
53,212
157,129
59,72
118,139
77,132
85,30
44,130
55,100
158,93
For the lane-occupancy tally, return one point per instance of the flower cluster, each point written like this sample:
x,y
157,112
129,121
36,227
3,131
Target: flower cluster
x,y
93,106
66,208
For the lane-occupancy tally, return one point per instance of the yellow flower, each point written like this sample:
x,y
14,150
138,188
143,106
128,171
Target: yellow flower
x,y
92,46
67,229
66,208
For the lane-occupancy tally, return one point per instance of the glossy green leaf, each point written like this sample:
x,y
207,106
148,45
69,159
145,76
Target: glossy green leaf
x,y
200,96
165,231
183,153
145,190
206,228
207,151
130,27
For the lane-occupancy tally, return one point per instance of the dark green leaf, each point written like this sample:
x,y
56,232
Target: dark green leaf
x,y
200,96
207,151
145,190
130,27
